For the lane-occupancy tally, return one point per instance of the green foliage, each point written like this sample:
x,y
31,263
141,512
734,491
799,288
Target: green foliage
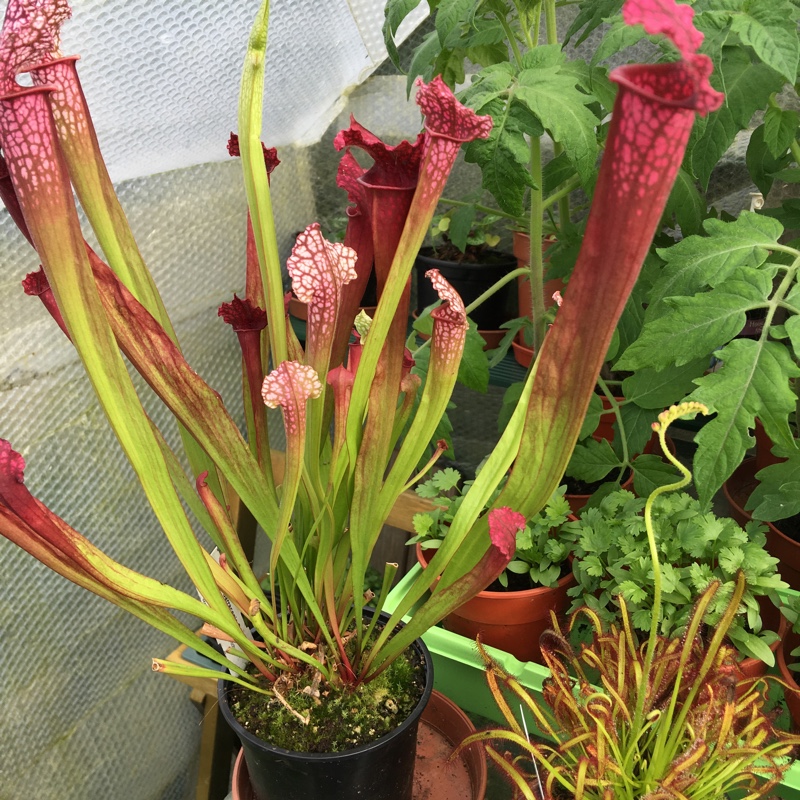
x,y
664,719
591,14
597,459
539,552
697,309
761,163
780,127
465,226
777,495
612,559
755,49
652,720
686,205
527,88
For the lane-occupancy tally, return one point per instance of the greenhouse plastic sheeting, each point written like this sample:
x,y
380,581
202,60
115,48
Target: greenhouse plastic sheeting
x,y
82,717
162,78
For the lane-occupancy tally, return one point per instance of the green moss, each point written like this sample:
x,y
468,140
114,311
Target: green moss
x,y
339,719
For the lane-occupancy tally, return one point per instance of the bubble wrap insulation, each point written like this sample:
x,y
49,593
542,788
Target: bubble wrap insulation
x,y
83,717
162,78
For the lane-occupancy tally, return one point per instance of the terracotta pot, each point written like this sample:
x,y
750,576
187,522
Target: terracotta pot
x,y
789,641
737,490
522,353
442,726
492,338
510,621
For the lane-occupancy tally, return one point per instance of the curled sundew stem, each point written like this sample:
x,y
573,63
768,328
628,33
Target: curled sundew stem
x,y
665,419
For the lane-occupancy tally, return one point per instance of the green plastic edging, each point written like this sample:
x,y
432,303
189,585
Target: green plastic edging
x,y
458,673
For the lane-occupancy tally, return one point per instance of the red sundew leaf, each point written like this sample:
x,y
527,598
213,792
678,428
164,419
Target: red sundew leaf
x,y
394,165
31,33
289,386
503,526
242,315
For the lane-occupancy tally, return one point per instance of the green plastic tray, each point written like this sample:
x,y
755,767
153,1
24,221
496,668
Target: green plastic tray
x,y
458,673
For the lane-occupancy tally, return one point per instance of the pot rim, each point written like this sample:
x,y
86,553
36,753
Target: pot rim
x,y
520,594
223,686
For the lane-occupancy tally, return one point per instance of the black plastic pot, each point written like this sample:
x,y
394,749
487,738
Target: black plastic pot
x,y
470,281
381,770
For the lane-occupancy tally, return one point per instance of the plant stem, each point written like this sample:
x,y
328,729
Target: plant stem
x,y
537,26
615,407
665,418
568,186
551,30
535,256
495,287
511,38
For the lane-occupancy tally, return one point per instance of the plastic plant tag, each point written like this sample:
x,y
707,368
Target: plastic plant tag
x,y
225,644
